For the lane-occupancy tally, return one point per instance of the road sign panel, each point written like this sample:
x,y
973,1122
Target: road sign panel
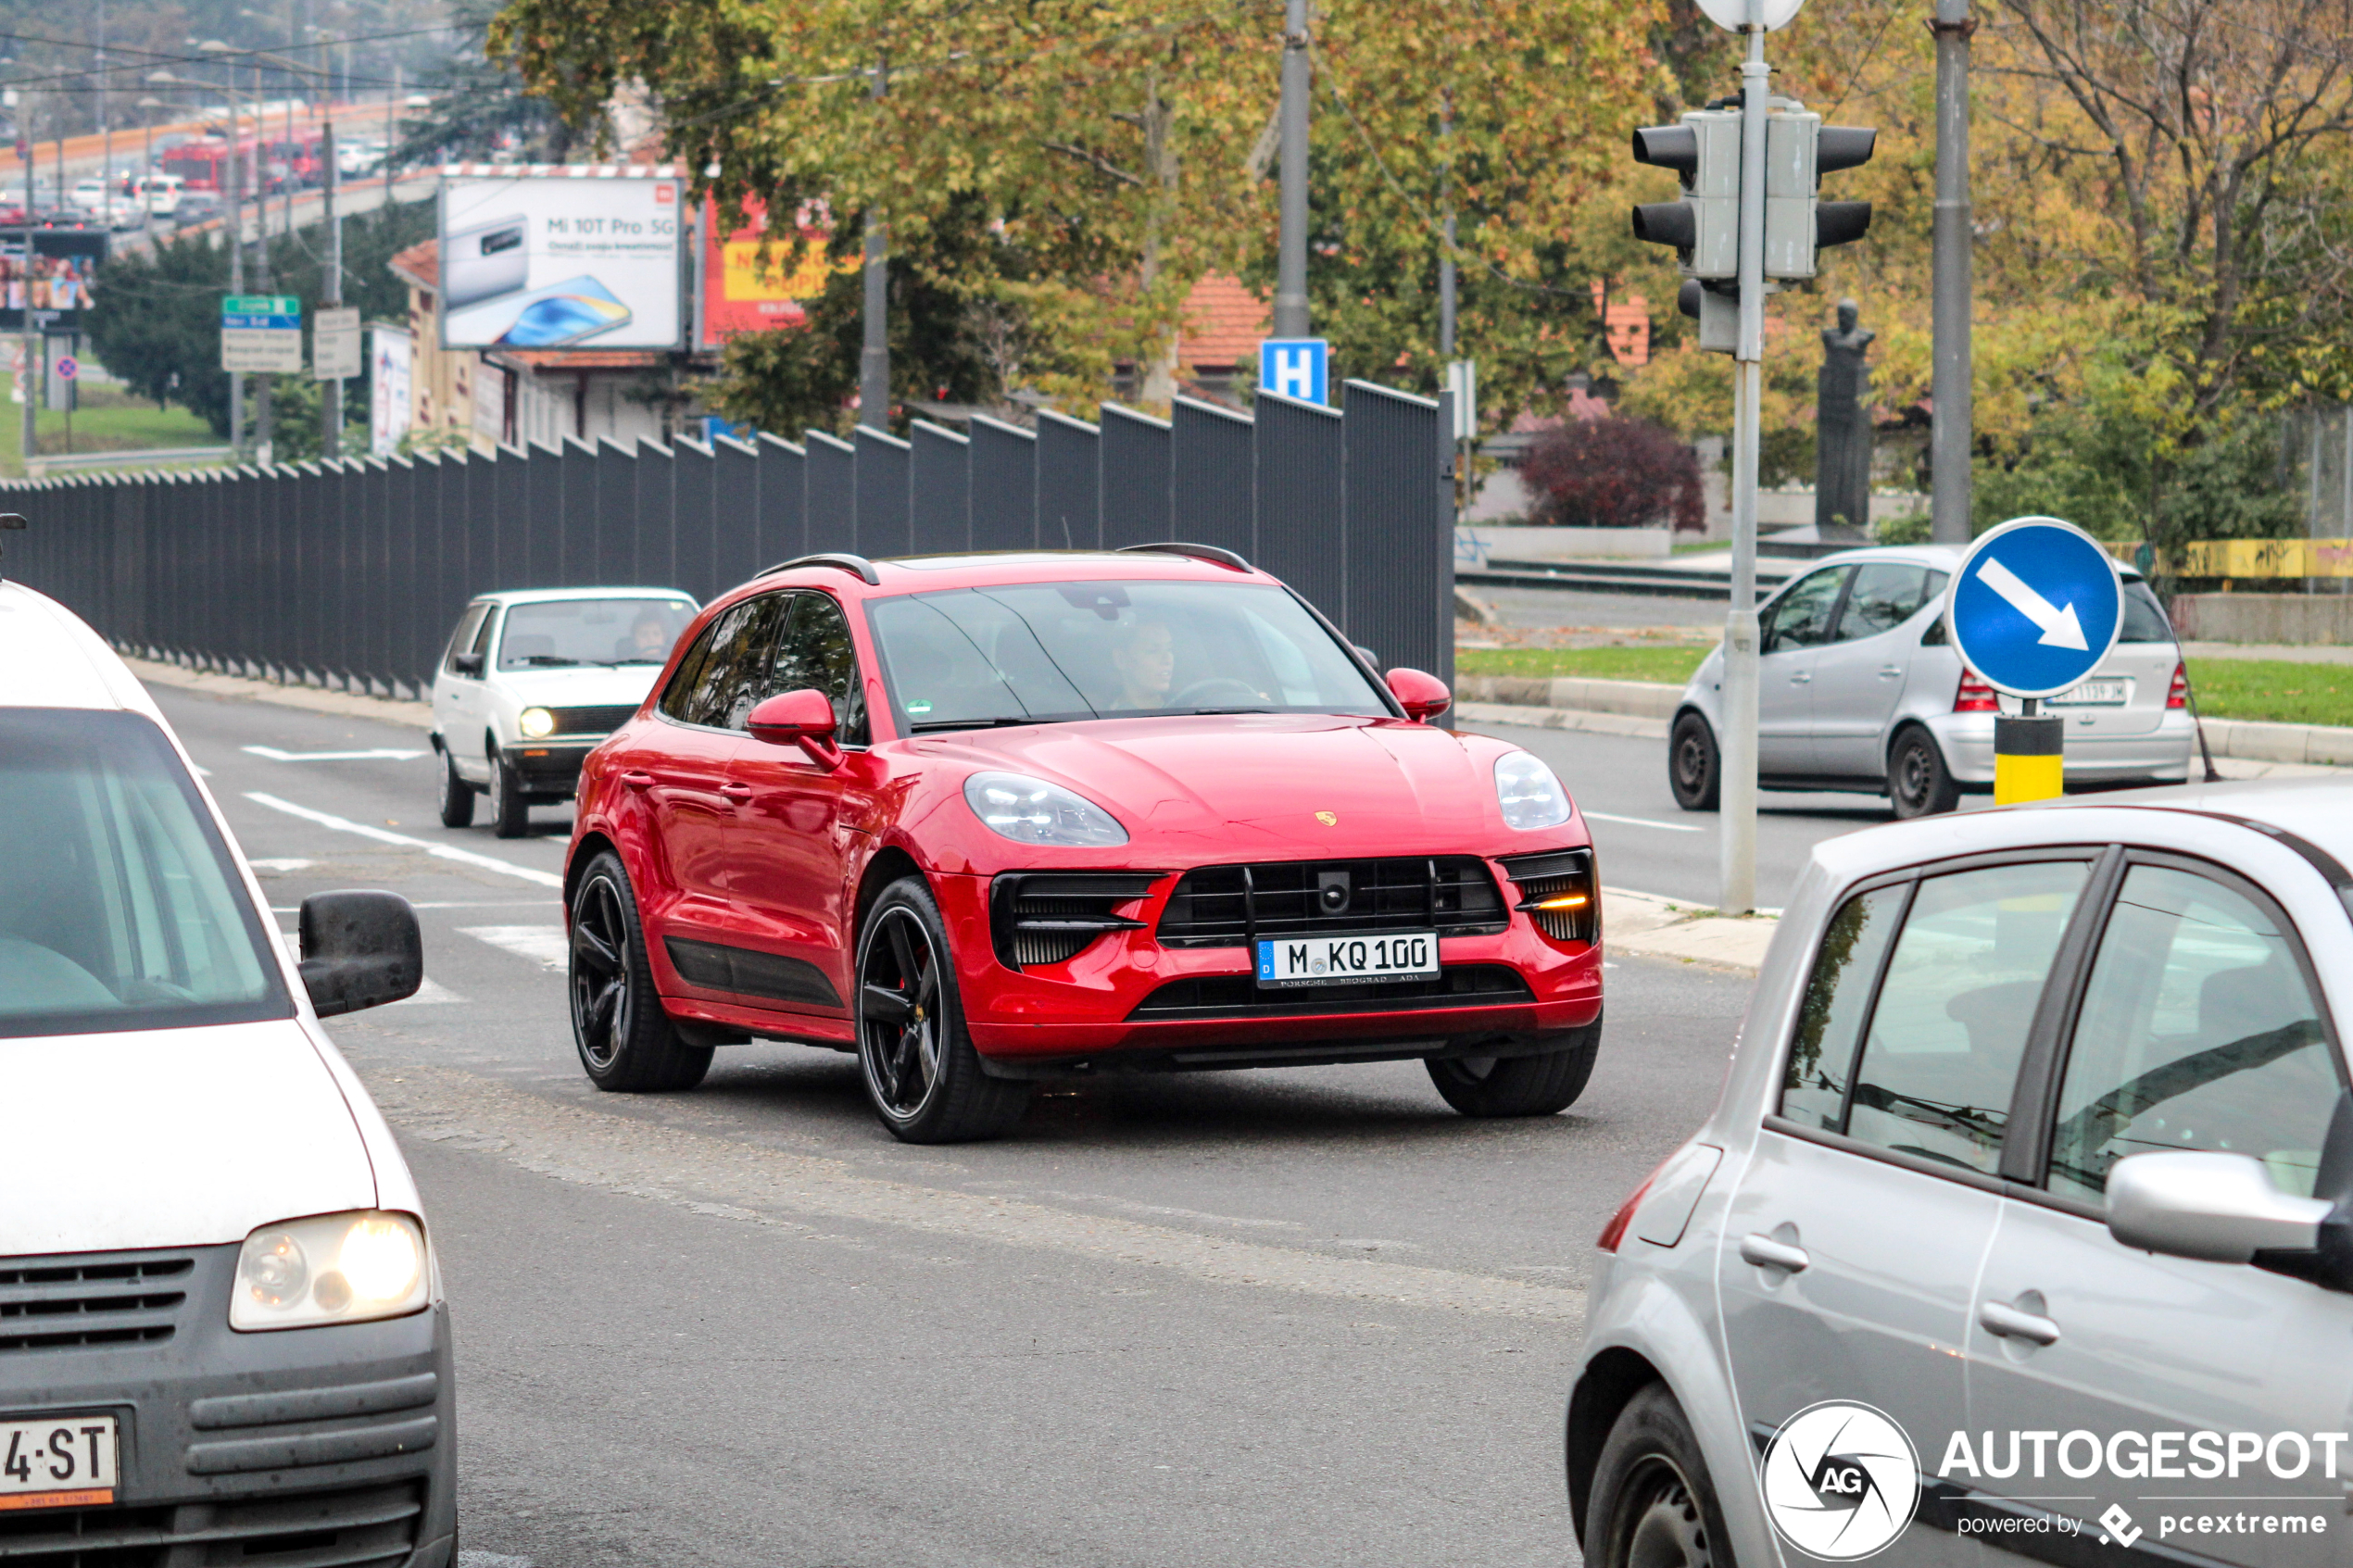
x,y
1732,15
246,351
1295,366
2035,607
68,366
334,343
262,305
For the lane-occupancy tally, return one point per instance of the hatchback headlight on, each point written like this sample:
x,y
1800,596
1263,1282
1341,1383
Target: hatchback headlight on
x,y
1030,811
333,1268
1528,794
535,723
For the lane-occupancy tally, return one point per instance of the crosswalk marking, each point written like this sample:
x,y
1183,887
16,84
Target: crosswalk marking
x,y
545,944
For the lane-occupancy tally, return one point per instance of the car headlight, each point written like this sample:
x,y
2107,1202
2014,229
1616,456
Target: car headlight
x,y
331,1268
1030,811
535,723
1528,794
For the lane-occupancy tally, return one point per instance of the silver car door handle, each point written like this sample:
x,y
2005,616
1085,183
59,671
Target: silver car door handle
x,y
1889,672
1801,677
1767,1253
2008,1322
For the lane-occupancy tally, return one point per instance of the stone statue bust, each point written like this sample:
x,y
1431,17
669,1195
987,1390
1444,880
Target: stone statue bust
x,y
1842,430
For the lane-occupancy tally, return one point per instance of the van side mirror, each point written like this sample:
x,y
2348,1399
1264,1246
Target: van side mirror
x,y
467,664
360,949
803,718
2221,1208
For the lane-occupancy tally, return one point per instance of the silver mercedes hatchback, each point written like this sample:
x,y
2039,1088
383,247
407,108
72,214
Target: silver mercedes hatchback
x,y
1858,688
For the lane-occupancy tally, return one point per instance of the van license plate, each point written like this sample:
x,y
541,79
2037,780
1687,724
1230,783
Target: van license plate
x,y
58,1461
1331,960
2094,693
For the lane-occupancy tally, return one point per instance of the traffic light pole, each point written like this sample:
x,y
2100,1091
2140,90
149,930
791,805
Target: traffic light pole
x,y
1737,755
1950,425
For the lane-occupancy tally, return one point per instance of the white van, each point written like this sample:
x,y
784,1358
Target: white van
x,y
211,1252
160,194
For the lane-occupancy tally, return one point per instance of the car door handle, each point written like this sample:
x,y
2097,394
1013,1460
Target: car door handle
x,y
1767,1253
2011,1323
734,791
1801,677
637,781
1889,672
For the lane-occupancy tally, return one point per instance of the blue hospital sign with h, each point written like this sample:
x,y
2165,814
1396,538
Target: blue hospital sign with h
x,y
1295,366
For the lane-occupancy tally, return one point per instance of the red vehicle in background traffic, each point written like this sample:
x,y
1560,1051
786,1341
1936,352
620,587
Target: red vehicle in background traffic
x,y
983,820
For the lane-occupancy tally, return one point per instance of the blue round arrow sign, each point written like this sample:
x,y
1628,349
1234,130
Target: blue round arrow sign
x,y
2035,607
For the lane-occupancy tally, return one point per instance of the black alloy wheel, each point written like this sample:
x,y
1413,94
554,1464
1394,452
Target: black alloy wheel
x,y
1652,1504
1544,1085
626,1043
1693,769
509,802
922,1076
457,795
1919,784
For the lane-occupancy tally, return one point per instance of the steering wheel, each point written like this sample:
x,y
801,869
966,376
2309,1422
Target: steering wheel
x,y
1217,689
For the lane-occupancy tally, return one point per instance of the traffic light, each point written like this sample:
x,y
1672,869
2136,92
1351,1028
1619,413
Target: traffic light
x,y
1704,227
1799,149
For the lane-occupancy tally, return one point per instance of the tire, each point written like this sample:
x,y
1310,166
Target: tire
x,y
509,804
1919,784
922,1076
1653,1504
626,1043
1694,766
457,795
1518,1086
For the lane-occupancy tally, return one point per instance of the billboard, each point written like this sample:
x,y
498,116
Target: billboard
x,y
585,258
389,389
55,279
742,291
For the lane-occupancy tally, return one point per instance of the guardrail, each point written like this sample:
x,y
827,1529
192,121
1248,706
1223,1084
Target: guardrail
x,y
152,457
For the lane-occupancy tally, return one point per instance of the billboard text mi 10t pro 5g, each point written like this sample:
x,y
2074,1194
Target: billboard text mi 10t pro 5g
x,y
573,259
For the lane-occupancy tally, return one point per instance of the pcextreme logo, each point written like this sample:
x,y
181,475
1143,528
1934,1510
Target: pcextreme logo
x,y
1841,1480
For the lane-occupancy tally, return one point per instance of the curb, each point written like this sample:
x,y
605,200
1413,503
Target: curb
x,y
1648,926
318,700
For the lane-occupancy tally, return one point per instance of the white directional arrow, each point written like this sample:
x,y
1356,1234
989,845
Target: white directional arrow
x,y
2060,629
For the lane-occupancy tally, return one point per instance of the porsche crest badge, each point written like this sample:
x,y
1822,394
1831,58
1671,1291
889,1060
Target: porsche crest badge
x,y
1329,819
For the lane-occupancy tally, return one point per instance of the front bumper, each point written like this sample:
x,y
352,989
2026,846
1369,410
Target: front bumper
x,y
236,1446
551,768
2159,755
1090,1012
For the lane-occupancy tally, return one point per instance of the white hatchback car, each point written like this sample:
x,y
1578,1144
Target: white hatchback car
x,y
532,681
222,1335
2025,1220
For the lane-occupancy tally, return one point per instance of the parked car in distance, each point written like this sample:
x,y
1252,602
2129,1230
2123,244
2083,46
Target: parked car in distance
x,y
984,818
2037,1120
531,681
161,192
359,158
222,1335
1858,688
90,195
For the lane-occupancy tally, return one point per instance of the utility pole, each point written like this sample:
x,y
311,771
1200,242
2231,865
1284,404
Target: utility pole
x,y
236,176
1446,205
106,124
874,357
331,406
29,378
1737,811
1950,428
1291,263
263,425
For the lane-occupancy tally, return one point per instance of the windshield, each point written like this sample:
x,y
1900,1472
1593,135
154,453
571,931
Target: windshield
x,y
2144,619
556,633
1033,652
120,908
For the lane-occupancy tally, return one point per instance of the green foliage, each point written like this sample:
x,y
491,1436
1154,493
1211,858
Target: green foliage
x,y
2275,690
1670,666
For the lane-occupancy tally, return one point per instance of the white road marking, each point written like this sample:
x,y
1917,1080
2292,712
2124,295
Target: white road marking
x,y
1644,822
431,993
382,836
380,755
546,944
282,864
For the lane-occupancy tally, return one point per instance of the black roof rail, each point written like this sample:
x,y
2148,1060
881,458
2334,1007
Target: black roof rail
x,y
842,561
1198,552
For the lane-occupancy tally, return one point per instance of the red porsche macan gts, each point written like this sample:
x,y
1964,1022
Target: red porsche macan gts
x,y
983,820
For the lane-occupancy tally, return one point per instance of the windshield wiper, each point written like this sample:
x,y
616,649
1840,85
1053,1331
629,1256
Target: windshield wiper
x,y
546,658
617,663
970,723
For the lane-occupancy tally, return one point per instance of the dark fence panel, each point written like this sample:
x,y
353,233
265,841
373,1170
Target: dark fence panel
x,y
656,515
511,483
833,494
736,519
1004,486
784,500
1302,507
1211,492
939,512
880,486
616,512
1396,452
694,543
1135,458
582,538
1070,501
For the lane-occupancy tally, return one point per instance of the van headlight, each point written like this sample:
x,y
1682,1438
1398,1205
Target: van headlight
x,y
535,723
1030,811
331,1268
1528,794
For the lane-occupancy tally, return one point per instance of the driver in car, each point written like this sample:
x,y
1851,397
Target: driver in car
x,y
650,640
1146,664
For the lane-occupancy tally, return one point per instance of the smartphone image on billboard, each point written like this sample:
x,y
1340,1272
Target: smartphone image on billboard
x,y
561,314
486,261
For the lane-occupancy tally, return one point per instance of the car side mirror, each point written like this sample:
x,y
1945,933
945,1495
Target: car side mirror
x,y
803,718
1423,696
2220,1208
360,949
468,664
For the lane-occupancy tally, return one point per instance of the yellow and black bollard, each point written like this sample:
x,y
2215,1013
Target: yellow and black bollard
x,y
2027,764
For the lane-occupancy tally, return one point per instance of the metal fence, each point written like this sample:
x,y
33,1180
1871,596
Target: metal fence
x,y
351,574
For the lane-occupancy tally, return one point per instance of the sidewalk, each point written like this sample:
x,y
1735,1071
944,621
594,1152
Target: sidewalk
x,y
318,700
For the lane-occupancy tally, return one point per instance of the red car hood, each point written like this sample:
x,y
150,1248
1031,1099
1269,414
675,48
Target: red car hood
x,y
1272,784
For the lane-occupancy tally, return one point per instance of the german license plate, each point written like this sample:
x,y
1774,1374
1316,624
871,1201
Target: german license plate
x,y
1331,960
2096,694
57,1461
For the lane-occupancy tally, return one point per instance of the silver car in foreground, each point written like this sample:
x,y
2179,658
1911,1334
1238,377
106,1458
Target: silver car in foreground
x,y
1858,689
2024,1224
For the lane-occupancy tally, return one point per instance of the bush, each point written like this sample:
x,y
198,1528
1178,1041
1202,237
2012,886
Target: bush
x,y
1614,473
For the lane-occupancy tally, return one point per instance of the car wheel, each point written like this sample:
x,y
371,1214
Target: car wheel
x,y
1652,1504
1919,784
1694,768
457,795
1518,1086
625,1041
509,807
922,1074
